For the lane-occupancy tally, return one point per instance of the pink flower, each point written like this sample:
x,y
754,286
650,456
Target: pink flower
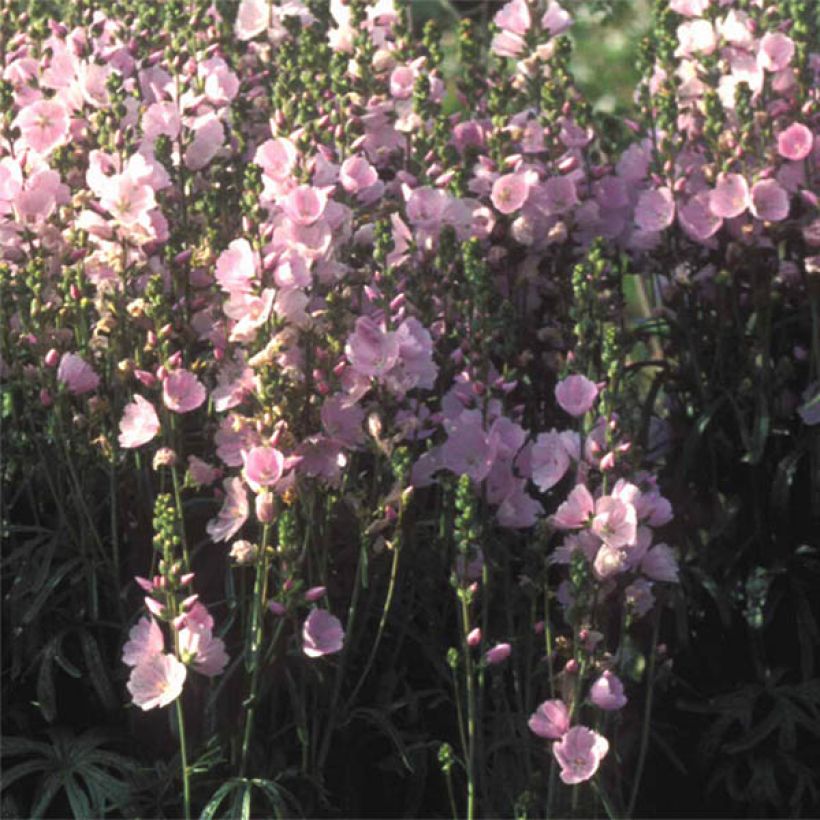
x,y
76,374
549,460
201,650
156,681
315,593
182,392
550,719
557,196
576,510
507,44
234,512
660,564
209,134
655,210
775,52
730,198
607,692
357,176
696,36
579,753
263,467
474,637
371,350
514,16
322,634
237,267
615,522
145,640
200,472
498,654
576,395
402,79
139,423
795,142
697,219
43,125
556,19
769,200
251,19
305,204
510,192
277,157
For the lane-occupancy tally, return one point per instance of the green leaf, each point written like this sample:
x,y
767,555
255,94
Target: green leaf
x,y
97,670
46,694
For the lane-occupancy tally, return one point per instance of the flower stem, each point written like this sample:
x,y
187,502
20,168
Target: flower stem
x,y
183,754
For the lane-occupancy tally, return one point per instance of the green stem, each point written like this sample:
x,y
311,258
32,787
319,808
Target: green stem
x,y
183,753
254,644
178,501
471,708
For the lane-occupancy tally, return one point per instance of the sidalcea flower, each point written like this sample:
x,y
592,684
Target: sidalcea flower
x,y
263,467
201,650
371,350
145,640
795,142
139,423
576,394
77,374
579,753
576,511
615,522
660,564
510,192
234,512
775,51
549,460
322,634
730,197
43,125
182,391
156,681
769,200
607,692
498,654
550,720
655,210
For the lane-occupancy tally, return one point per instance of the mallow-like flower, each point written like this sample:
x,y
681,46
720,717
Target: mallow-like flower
x,y
139,423
322,634
607,692
576,394
156,681
550,719
77,374
579,753
182,391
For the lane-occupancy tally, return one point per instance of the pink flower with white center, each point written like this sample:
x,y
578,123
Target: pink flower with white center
x,y
156,681
660,564
221,84
39,196
322,634
615,522
549,460
234,512
510,192
263,467
277,157
305,204
556,19
579,753
250,313
775,52
43,126
127,199
237,267
576,395
609,561
145,640
795,142
576,511
497,654
730,197
251,19
209,135
371,350
514,16
200,650
139,423
183,392
76,374
607,692
550,720
769,200
655,209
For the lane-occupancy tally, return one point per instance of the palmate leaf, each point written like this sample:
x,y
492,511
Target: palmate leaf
x,y
93,778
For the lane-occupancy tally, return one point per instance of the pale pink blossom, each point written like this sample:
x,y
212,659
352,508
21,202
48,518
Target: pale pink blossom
x,y
795,142
730,197
43,125
576,394
579,753
510,192
76,374
305,204
660,564
696,37
234,512
182,391
237,267
251,18
156,681
556,20
322,634
514,16
277,157
550,720
209,134
775,51
371,350
263,467
201,473
139,423
576,511
497,654
549,460
769,200
201,650
145,640
615,522
607,692
655,209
